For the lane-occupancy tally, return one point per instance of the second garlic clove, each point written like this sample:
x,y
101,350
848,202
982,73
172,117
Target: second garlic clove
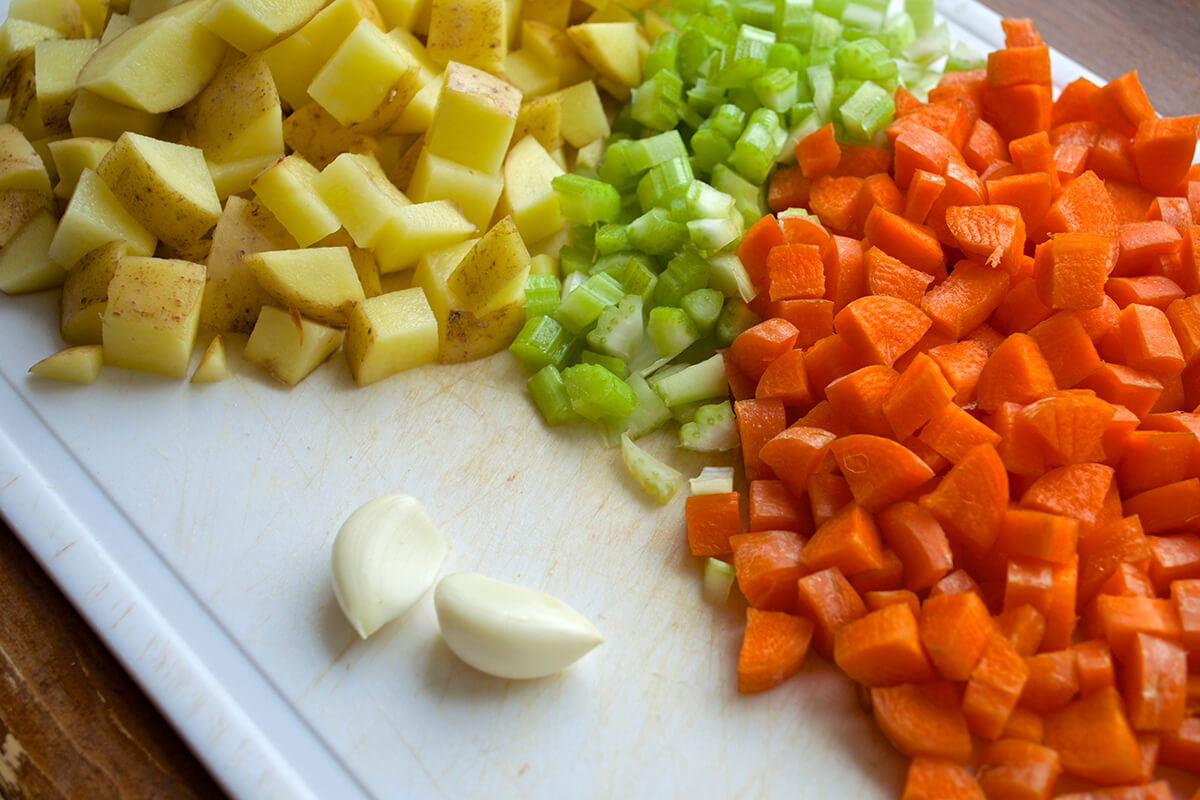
x,y
386,555
510,631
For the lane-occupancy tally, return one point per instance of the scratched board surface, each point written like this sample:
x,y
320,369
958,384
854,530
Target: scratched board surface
x,y
193,525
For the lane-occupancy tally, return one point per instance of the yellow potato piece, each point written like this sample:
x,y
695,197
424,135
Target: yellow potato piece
x,y
152,315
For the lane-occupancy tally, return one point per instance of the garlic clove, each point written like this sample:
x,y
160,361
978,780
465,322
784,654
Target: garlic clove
x,y
510,631
386,555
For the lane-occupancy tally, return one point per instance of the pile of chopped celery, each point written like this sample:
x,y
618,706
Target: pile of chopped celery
x,y
651,287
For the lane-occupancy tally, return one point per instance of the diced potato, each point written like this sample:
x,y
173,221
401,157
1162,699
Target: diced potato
x,y
17,207
528,196
85,293
366,72
237,117
117,24
23,109
79,364
543,264
402,171
427,68
287,189
390,333
555,49
554,13
418,114
526,71
319,282
55,14
20,165
165,186
319,138
98,117
152,315
468,31
213,366
24,263
474,119
541,118
416,229
18,38
613,12
56,66
411,15
654,24
611,48
583,117
551,245
288,347
365,265
95,217
232,295
357,190
72,156
185,56
475,192
94,14
141,10
588,156
253,25
235,177
486,277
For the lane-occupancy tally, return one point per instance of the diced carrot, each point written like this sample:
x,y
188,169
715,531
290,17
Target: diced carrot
x,y
1105,548
1018,110
845,271
827,494
1036,534
1069,427
986,337
1017,65
1181,748
939,779
1123,423
767,565
741,385
1128,580
1032,194
795,272
984,146
803,229
1015,769
786,380
1111,157
1163,150
1083,206
829,359
828,599
795,453
756,243
1186,596
1072,103
889,577
920,393
961,362
756,348
835,201
848,540
1081,132
970,500
1154,683
957,582
813,319
1070,160
773,648
818,153
1141,243
878,190
1119,619
774,508
993,689
1121,104
881,598
923,719
966,299
892,277
1094,740
1053,681
955,630
1159,790
863,160
963,188
1071,269
1184,316
1143,340
1093,665
944,114
1173,558
1024,627
917,147
882,648
1148,290
924,190
1130,201
1075,490
1017,372
994,233
919,541
1121,385
1035,153
1153,458
1025,725
1067,348
758,421
857,399
913,244
711,520
881,329
788,188
1020,309
1051,589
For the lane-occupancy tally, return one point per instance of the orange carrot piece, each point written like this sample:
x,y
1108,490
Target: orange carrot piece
x,y
1020,32
828,599
1163,150
755,348
952,431
795,453
1184,316
1070,427
1031,193
756,243
1075,490
1072,103
1120,385
1148,290
848,540
1154,684
1081,132
1053,681
994,233
924,190
1130,201
1035,153
879,471
711,520
803,229
1120,618
966,299
939,779
741,385
1093,665
1103,549
1036,534
1051,589
961,362
767,565
984,145
774,508
1121,104
835,201
827,494
813,319
892,277
881,329
970,500
773,648
857,399
919,541
1186,596
955,630
913,244
1128,580
993,689
1018,110
923,719
882,648
920,393
845,271
1071,269
917,147
786,380
1015,769
878,190
1070,160
881,598
1016,65
944,114
758,421
1017,372
1143,340
1141,243
1094,740
1083,206
1181,748
1024,627
788,188
818,153
1021,308
1111,157
1067,348
829,359
1154,458
795,272
1025,725
1172,559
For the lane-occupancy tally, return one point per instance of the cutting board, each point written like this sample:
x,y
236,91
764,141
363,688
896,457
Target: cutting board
x,y
192,526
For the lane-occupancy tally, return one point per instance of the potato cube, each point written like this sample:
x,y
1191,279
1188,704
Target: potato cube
x,y
95,217
468,31
526,71
528,195
20,165
541,118
23,110
17,207
185,56
85,294
51,13
289,347
72,156
237,117
583,117
18,37
368,70
213,366
287,189
253,25
475,193
474,119
56,67
365,265
79,364
152,315
556,51
319,138
427,68
390,333
418,114
232,295
411,15
611,48
98,117
417,229
117,24
165,186
357,190
319,282
488,275
24,263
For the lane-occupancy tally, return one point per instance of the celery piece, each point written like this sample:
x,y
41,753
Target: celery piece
x,y
662,56
963,58
573,259
820,77
645,153
713,235
787,56
826,31
596,393
703,381
712,480
549,394
664,182
670,330
619,329
758,13
611,238
704,97
793,21
921,12
727,120
778,89
843,89
703,306
867,112
656,233
728,275
585,200
658,101
705,202
831,8
659,480
542,294
649,414
582,236
809,123
865,59
583,304
735,317
864,17
748,198
540,343
640,277
686,412
898,33
713,429
930,45
710,148
692,52
718,581
685,273
614,365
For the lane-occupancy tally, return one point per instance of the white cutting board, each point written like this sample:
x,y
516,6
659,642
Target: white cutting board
x,y
192,527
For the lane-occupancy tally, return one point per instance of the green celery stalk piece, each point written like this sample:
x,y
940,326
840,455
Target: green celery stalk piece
x,y
656,478
712,430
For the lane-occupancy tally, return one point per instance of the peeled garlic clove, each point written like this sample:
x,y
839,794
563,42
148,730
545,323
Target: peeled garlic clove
x,y
510,631
385,557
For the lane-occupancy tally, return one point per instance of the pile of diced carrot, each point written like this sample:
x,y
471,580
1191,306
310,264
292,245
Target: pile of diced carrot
x,y
970,432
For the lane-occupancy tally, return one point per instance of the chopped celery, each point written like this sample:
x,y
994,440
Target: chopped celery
x,y
711,235
963,58
703,381
549,394
614,365
656,233
658,102
747,197
573,259
705,202
619,329
868,111
712,480
786,55
660,481
826,31
648,415
640,278
755,151
864,17
663,55
898,33
542,295
596,393
611,238
865,59
645,153
820,77
930,45
685,273
664,182
719,577
728,275
670,330
686,412
583,304
712,430
703,97
703,306
586,200
541,342
710,148
778,89
735,317
921,12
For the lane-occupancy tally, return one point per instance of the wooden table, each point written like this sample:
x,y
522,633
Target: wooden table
x,y
75,725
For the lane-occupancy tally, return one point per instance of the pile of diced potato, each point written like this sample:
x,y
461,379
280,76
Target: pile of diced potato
x,y
367,175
